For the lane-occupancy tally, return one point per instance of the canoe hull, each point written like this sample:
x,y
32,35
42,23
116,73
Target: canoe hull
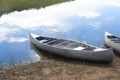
x,y
105,56
112,44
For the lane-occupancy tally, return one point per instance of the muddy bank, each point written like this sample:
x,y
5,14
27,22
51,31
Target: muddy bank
x,y
55,68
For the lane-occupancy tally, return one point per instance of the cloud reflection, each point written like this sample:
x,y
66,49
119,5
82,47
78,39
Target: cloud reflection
x,y
4,32
96,25
17,39
53,19
89,14
111,18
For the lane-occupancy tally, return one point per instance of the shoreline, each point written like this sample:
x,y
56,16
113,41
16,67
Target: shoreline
x,y
58,68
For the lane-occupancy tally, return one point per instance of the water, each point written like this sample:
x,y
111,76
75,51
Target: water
x,y
84,21
7,6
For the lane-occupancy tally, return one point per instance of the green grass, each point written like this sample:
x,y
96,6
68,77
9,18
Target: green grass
x,y
18,5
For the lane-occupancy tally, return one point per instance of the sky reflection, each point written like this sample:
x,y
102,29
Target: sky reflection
x,y
79,20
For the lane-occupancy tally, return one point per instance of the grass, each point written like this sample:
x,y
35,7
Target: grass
x,y
59,68
18,5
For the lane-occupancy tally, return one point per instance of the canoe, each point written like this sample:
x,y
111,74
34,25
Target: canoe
x,y
112,41
72,49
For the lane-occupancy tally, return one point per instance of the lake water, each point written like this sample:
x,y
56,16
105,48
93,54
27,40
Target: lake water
x,y
79,20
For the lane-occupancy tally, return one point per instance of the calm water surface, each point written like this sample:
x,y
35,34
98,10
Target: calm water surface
x,y
84,21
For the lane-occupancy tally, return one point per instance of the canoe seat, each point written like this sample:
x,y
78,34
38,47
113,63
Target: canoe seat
x,y
99,49
55,42
42,41
39,38
47,41
114,39
51,41
78,48
57,45
117,41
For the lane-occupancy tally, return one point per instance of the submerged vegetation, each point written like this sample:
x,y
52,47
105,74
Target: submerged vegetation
x,y
18,5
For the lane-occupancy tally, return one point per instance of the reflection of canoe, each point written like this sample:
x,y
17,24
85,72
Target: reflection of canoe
x,y
112,41
72,49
